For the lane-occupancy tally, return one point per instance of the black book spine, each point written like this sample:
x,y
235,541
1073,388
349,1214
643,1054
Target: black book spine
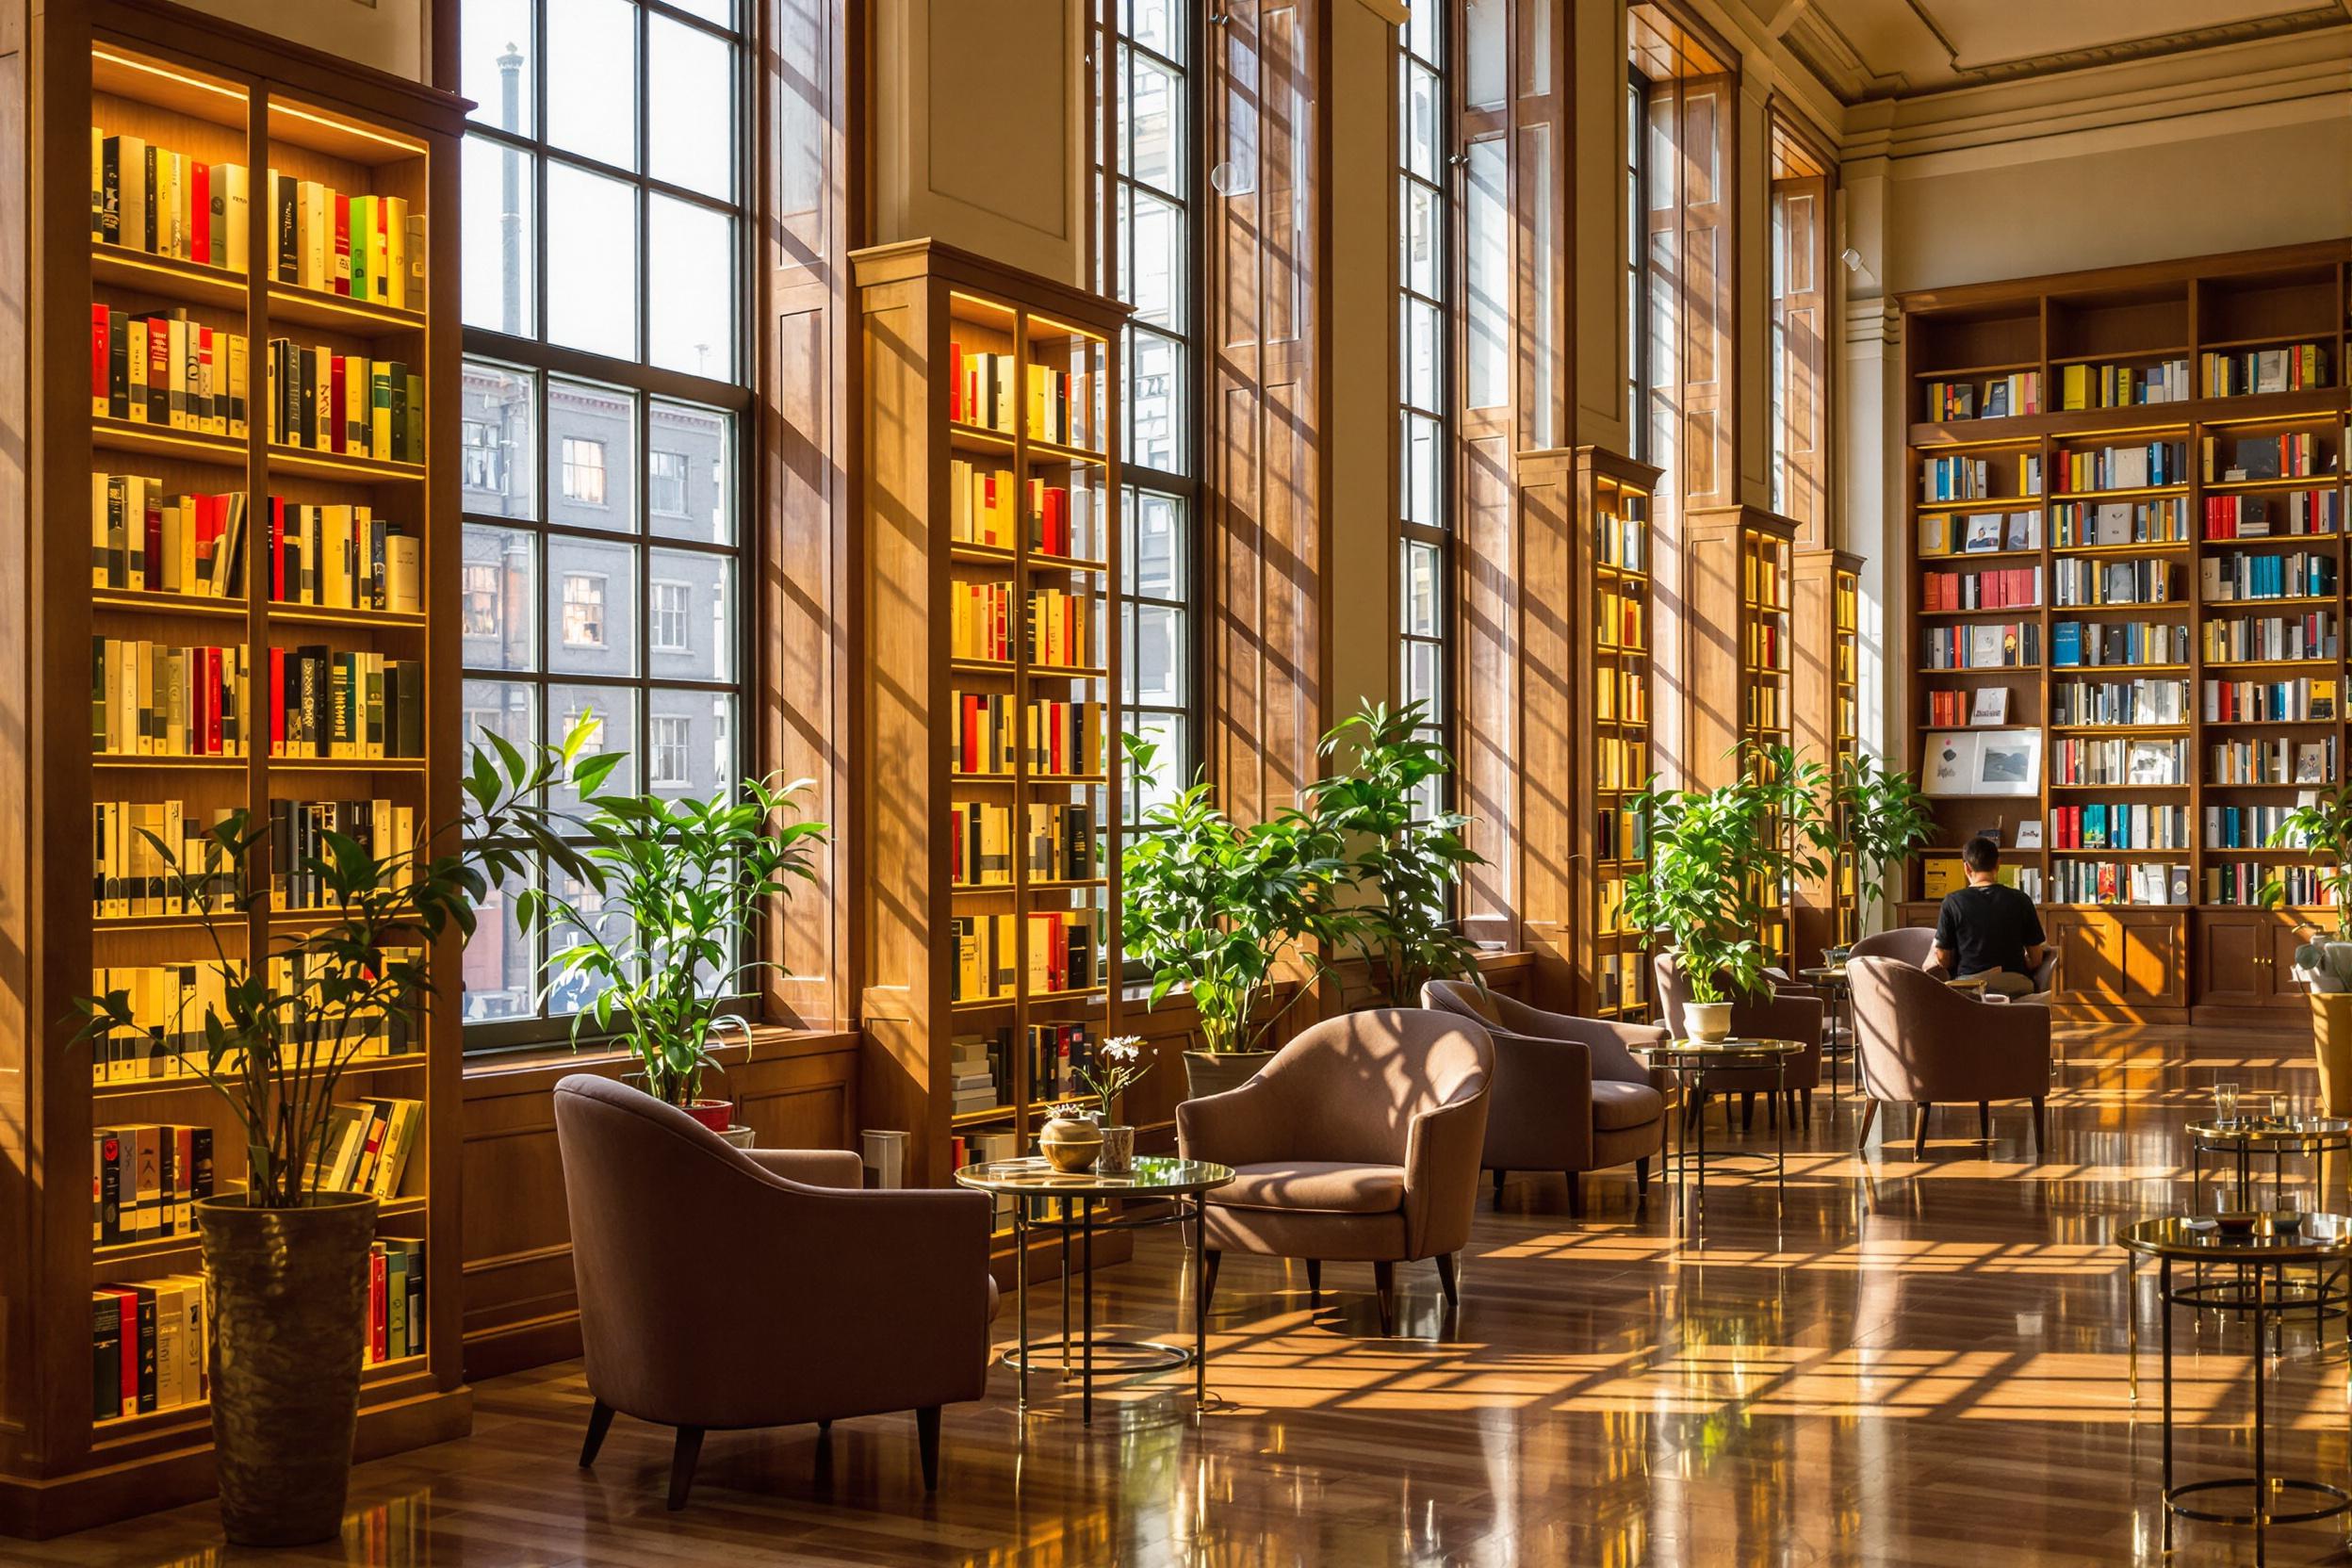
x,y
106,1357
110,213
154,235
146,1349
110,1188
118,365
399,452
199,1176
285,199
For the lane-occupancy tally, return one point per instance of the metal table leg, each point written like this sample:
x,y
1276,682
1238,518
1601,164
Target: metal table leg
x,y
1699,1216
2164,1314
2262,1481
2131,1325
1086,1356
1780,1142
1021,1293
1200,1303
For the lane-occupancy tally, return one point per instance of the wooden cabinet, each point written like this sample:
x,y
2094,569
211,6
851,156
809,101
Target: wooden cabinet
x,y
2123,964
2245,959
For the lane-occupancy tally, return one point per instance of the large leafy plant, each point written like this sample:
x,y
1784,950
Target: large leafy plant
x,y
2322,825
275,1044
661,933
1404,852
1880,818
1210,905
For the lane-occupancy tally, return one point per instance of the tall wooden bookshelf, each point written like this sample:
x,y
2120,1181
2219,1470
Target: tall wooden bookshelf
x,y
1826,711
1612,734
926,312
218,94
2147,547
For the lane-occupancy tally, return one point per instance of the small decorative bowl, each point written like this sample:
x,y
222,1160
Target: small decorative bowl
x,y
1071,1144
2236,1224
2286,1223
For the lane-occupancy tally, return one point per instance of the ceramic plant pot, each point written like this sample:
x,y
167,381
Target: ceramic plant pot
x,y
1708,1020
1208,1073
1072,1144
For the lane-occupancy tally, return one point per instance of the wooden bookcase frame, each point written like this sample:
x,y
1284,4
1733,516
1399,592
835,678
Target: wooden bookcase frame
x,y
2201,961
1827,650
914,300
226,93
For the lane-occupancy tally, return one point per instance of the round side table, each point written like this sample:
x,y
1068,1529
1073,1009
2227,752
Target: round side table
x,y
1690,1062
2240,1143
1833,981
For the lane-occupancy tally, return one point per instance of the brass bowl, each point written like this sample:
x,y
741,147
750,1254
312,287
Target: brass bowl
x,y
1070,1147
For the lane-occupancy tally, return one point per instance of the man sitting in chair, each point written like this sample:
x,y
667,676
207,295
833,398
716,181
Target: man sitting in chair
x,y
1986,928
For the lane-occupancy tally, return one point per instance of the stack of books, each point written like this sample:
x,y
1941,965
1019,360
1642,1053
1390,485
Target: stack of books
x,y
146,541
150,198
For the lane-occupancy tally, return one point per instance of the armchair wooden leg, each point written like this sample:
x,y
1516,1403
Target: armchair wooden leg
x,y
1384,1288
1447,1283
1772,1111
1918,1130
1314,1283
1498,1186
1209,1260
2041,1131
1869,1116
1984,1121
824,1428
1641,1177
682,1460
1575,1195
927,1439
1807,1095
600,1423
1747,1111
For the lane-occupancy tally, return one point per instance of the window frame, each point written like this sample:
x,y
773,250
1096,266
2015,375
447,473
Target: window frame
x,y
1640,389
1444,183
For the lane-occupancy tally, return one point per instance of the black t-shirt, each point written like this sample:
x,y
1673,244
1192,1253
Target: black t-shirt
x,y
1987,927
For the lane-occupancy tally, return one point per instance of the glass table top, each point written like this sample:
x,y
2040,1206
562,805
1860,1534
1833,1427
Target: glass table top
x,y
1153,1174
2269,1235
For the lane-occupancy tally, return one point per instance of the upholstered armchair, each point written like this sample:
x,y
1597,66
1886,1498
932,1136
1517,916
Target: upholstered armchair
x,y
720,1288
1787,1013
1359,1142
1918,1040
1569,1094
1916,945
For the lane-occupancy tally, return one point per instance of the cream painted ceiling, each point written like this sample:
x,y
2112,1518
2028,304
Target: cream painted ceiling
x,y
1865,49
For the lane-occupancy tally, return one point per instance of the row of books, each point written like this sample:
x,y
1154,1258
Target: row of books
x,y
366,247
299,832
976,1077
1950,709
168,1004
1623,621
146,1179
2077,581
1066,740
2006,644
1764,706
1620,533
2298,701
2240,574
1609,915
1943,874
1064,948
1056,1053
147,1347
2247,826
357,707
1767,644
2119,824
2075,761
2288,511
1764,578
130,876
2237,372
343,558
1978,532
2074,643
1621,696
989,389
325,401
2122,385
2123,467
978,1148
1060,845
1963,479
1619,834
365,1146
2271,761
2284,454
980,621
154,699
2242,882
2158,520
980,508
145,540
163,369
2135,702
1056,738
1064,630
396,1325
1620,762
2310,635
152,199
1985,398
2148,882
384,1032
2008,588
1620,982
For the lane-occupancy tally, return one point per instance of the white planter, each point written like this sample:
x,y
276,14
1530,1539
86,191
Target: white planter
x,y
1708,1020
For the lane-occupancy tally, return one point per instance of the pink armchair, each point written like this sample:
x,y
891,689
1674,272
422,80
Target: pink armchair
x,y
1359,1142
1569,1095
726,1289
1918,1040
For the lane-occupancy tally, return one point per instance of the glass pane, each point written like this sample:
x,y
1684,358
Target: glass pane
x,y
1417,586
691,627
500,964
1157,24
1154,400
495,276
1151,124
1420,345
1156,258
592,262
1423,104
592,445
615,708
1424,238
690,473
592,81
1156,655
572,993
497,601
1421,673
1486,222
1486,31
691,289
1421,31
690,742
690,109
720,11
505,707
592,607
494,40
498,451
1154,564
1422,470
1171,769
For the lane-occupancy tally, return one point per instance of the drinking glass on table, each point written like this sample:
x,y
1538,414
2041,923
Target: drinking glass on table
x,y
2225,1101
2279,1106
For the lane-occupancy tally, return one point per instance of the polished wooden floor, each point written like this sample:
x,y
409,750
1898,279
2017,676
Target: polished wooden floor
x,y
1925,1363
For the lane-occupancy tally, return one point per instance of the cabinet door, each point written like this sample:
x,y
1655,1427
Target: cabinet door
x,y
2089,960
2286,993
2154,954
2231,967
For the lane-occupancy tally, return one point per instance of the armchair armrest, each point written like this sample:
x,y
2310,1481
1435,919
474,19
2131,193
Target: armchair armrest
x,y
1785,1016
1442,1156
1242,1126
815,1167
1611,1043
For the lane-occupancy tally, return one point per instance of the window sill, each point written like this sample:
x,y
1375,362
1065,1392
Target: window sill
x,y
523,1070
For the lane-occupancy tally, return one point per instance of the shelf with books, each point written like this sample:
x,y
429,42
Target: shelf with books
x,y
343,466
314,307
1827,650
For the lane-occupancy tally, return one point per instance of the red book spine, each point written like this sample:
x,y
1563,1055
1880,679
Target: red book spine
x,y
332,429
971,763
200,212
277,702
955,381
342,253
379,1322
129,1300
100,346
215,689
151,526
158,373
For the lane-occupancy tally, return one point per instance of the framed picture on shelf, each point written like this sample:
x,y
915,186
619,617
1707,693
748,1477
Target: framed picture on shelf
x,y
1990,706
2152,762
2030,833
1984,533
2008,762
1950,768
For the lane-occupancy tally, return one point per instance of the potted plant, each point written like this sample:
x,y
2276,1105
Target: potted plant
x,y
1405,854
2322,825
1880,819
662,940
285,1262
1215,907
1117,1066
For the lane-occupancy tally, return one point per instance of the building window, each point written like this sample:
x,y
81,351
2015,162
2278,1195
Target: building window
x,y
1637,265
1801,363
1423,374
583,471
665,483
668,612
1149,259
583,610
606,173
666,766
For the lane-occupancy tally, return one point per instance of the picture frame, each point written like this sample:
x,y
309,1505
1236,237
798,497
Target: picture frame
x,y
1989,708
1984,534
2008,762
1949,768
2030,833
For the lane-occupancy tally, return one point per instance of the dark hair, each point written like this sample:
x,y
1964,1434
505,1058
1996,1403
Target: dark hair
x,y
1981,854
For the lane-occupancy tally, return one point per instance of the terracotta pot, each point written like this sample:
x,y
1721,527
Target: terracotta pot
x,y
286,1291
1208,1073
1071,1143
2331,1042
1708,1020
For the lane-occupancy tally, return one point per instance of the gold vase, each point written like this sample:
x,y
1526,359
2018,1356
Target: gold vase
x,y
286,1294
1071,1143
